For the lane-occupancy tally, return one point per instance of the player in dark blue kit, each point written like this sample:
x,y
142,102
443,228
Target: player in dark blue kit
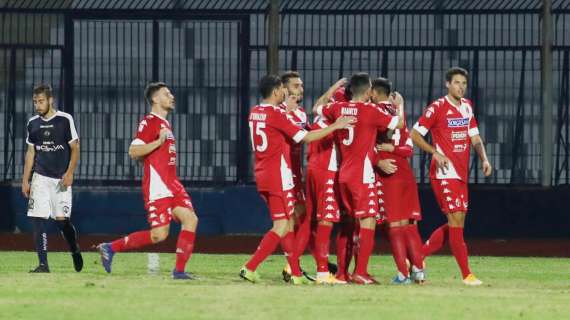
x,y
52,155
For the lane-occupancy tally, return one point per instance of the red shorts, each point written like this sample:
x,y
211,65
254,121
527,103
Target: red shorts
x,y
359,199
322,195
281,204
398,199
159,211
451,195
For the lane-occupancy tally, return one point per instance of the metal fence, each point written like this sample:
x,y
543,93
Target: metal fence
x,y
213,59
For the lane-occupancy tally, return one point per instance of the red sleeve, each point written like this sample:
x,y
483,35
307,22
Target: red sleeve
x,y
405,151
283,122
147,131
383,120
427,120
473,128
330,111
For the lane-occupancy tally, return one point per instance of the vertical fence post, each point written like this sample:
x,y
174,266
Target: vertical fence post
x,y
273,37
68,64
546,80
243,150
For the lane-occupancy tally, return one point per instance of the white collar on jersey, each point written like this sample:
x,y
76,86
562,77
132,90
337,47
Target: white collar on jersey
x,y
266,105
453,104
53,116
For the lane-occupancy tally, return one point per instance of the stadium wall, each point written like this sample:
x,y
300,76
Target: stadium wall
x,y
495,211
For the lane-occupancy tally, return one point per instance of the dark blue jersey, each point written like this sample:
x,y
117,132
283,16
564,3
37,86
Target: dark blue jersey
x,y
51,138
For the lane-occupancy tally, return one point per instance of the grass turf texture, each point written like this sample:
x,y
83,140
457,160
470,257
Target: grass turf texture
x,y
514,288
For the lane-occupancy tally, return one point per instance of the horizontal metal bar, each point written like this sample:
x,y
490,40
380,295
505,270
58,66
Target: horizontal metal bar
x,y
409,48
30,46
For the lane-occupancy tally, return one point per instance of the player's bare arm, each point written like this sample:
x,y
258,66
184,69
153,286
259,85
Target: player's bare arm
x,y
139,151
397,99
28,164
340,123
324,99
67,179
479,147
441,161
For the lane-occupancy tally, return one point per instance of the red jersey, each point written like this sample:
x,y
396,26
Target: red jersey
x,y
322,153
159,169
403,146
451,129
299,117
357,143
270,127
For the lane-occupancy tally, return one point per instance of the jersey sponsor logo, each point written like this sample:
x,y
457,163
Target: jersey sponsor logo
x,y
457,122
460,147
458,135
47,148
46,126
349,111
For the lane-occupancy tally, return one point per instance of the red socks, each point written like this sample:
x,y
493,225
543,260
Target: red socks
x,y
288,246
134,240
398,243
302,235
321,249
414,244
435,241
459,249
184,248
366,246
344,246
266,247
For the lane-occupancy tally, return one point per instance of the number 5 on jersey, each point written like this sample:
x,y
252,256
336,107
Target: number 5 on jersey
x,y
259,126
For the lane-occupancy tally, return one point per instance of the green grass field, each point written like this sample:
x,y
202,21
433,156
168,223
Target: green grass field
x,y
515,288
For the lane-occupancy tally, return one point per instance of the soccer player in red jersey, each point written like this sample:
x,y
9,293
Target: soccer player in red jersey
x,y
304,228
397,190
164,196
270,127
356,176
453,128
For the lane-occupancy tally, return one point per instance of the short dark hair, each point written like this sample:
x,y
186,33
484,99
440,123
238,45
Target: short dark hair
x,y
43,88
382,85
269,83
455,71
151,89
285,77
359,83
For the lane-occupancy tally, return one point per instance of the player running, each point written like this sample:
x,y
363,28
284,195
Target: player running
x,y
397,190
270,127
52,155
356,175
453,128
164,196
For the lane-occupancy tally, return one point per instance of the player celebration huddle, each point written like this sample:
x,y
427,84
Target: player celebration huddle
x,y
357,176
